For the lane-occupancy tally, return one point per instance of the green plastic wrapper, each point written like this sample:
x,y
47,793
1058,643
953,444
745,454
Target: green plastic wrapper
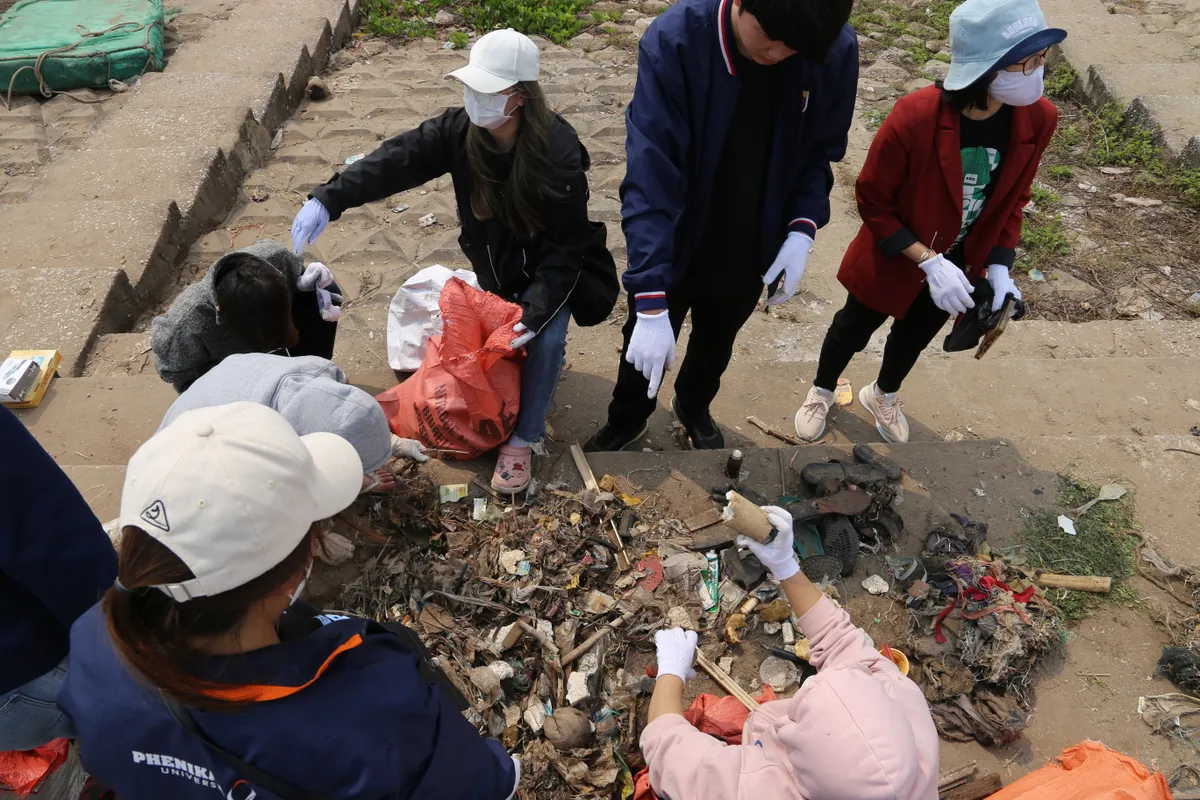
x,y
82,43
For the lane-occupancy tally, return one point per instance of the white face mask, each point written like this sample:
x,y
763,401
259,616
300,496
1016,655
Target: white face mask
x,y
486,110
1017,88
296,594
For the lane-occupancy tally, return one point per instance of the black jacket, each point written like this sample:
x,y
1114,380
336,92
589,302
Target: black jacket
x,y
567,262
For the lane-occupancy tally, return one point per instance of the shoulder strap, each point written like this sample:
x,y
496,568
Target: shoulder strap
x,y
276,786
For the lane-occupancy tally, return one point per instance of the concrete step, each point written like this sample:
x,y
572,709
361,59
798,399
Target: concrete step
x,y
100,487
98,421
120,354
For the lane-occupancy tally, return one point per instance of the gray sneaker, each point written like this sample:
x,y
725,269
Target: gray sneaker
x,y
886,408
810,419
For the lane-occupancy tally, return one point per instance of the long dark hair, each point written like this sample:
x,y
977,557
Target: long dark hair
x,y
255,303
520,202
153,632
973,96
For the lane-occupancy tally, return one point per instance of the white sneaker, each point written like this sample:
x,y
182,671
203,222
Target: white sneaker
x,y
889,419
810,419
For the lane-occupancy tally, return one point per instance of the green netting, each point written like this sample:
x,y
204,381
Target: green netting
x,y
57,45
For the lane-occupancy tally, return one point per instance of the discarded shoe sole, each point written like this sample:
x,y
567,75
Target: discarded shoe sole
x,y
849,502
821,568
840,540
857,474
867,455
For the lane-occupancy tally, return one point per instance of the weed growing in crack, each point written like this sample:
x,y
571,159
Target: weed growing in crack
x,y
1043,238
874,117
1043,197
1060,172
1060,80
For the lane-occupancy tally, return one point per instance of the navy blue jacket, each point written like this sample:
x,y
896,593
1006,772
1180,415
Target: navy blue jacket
x,y
676,126
341,712
55,559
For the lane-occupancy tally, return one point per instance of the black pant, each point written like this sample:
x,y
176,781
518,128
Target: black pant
x,y
716,321
316,335
852,328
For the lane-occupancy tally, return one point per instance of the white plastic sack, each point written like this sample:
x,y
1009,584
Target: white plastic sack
x,y
414,317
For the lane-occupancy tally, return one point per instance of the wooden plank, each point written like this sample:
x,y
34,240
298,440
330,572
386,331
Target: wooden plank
x,y
585,469
726,682
977,789
1080,583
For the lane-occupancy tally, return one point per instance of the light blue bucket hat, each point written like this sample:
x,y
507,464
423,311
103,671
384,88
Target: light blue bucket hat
x,y
989,35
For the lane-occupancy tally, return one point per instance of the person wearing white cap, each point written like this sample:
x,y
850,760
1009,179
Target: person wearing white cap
x,y
184,680
942,196
520,183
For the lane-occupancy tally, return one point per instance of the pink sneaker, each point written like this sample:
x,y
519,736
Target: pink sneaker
x,y
514,469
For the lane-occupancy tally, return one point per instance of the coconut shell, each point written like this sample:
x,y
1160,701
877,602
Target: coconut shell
x,y
568,729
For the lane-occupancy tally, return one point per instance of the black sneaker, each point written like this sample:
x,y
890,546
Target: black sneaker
x,y
704,433
610,438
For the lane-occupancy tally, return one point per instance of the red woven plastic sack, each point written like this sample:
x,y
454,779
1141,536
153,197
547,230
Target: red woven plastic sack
x,y
22,771
466,393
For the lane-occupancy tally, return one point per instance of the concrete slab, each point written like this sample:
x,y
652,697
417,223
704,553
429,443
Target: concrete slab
x,y
271,57
104,419
334,12
120,354
140,237
100,486
1178,120
265,95
196,177
61,309
1178,117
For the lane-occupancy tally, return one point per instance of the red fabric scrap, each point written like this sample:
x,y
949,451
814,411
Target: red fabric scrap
x,y
22,770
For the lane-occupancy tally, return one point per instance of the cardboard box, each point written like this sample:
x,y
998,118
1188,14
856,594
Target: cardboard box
x,y
47,361
17,376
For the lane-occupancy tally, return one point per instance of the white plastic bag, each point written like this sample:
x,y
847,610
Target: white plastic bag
x,y
414,317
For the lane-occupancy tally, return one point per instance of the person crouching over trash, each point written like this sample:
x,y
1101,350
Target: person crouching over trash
x,y
261,299
185,678
520,183
942,195
313,395
857,730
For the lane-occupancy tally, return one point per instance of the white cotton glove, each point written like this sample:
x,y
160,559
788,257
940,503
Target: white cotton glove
x,y
790,261
652,348
676,652
778,555
948,285
315,278
309,223
524,336
408,448
1002,285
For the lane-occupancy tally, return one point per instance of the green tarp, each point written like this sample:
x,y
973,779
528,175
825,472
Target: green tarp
x,y
82,43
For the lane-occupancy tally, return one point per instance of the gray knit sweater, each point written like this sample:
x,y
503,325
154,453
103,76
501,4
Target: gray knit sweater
x,y
187,341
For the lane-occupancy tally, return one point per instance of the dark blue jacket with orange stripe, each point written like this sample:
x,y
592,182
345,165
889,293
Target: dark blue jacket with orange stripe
x,y
676,126
340,712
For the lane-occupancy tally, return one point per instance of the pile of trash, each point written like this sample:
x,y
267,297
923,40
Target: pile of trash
x,y
542,613
981,626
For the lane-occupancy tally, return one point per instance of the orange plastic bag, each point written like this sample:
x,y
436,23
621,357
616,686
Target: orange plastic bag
x,y
1089,771
465,396
22,771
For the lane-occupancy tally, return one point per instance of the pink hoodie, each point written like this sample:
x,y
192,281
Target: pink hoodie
x,y
858,730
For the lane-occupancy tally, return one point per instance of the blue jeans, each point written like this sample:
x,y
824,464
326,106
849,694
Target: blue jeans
x,y
30,716
539,376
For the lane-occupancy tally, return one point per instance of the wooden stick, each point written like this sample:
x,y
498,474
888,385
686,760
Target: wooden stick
x,y
977,789
726,682
585,470
365,531
550,647
956,776
590,642
769,431
622,559
1080,583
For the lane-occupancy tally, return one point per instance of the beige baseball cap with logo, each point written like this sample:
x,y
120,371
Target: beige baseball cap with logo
x,y
232,490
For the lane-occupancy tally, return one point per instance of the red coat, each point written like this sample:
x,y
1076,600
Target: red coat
x,y
913,178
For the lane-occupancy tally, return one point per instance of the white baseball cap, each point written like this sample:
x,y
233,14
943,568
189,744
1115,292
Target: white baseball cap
x,y
498,60
232,490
